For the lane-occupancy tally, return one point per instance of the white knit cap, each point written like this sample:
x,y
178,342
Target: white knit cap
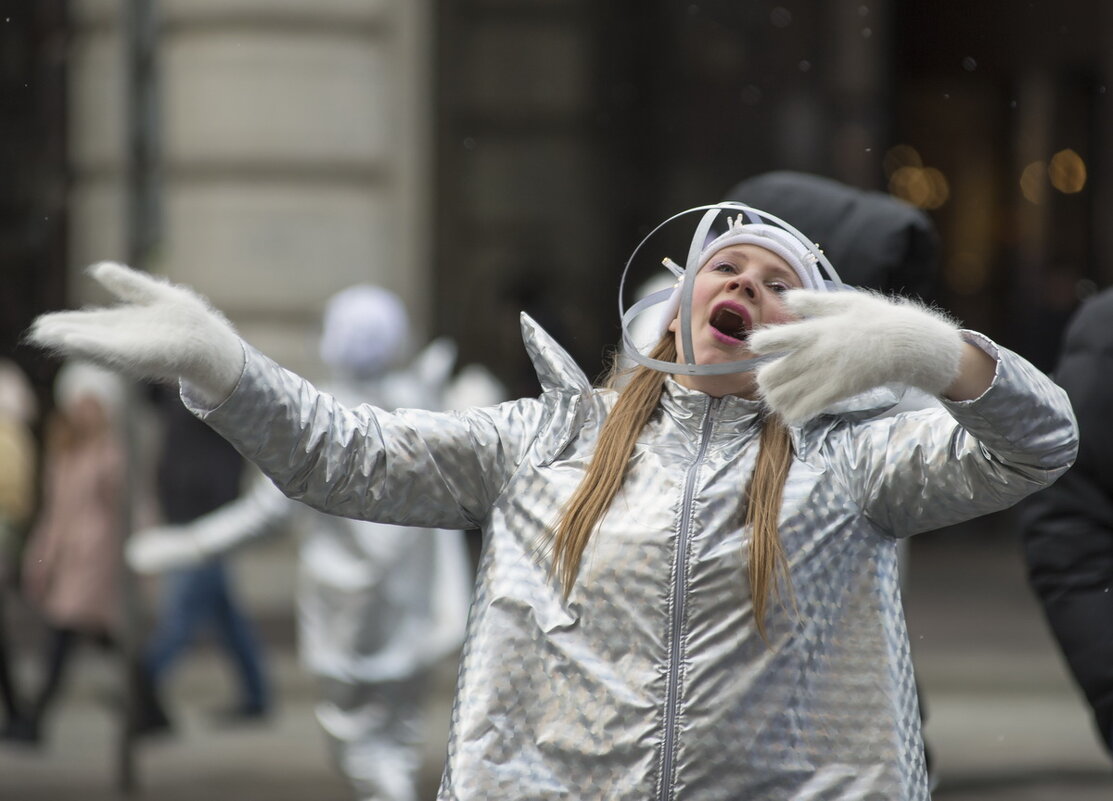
x,y
78,379
776,240
366,330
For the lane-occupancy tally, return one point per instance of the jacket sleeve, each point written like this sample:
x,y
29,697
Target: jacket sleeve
x,y
1067,529
408,467
922,470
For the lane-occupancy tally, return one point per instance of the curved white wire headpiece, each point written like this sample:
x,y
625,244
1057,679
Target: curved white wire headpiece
x,y
823,270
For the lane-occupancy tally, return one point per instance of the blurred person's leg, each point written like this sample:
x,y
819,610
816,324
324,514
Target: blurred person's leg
x,y
187,602
239,637
8,694
185,606
149,715
59,650
376,734
17,724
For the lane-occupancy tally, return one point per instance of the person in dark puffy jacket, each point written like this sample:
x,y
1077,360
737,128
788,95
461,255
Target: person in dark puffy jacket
x,y
1068,527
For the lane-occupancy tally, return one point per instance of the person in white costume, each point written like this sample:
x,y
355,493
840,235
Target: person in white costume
x,y
378,606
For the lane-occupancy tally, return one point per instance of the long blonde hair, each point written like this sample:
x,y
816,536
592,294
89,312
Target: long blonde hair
x,y
636,402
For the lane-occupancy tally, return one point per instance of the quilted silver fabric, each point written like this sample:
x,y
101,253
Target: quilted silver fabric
x,y
650,681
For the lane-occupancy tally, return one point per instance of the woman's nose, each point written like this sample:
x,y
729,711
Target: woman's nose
x,y
745,284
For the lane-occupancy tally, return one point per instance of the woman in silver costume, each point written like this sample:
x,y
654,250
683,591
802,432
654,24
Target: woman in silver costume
x,y
688,587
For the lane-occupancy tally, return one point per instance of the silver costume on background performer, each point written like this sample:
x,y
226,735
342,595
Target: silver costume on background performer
x,y
650,681
378,606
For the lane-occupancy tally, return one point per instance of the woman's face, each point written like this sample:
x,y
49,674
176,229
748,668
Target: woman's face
x,y
736,291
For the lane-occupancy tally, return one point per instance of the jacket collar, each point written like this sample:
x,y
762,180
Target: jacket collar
x,y
688,406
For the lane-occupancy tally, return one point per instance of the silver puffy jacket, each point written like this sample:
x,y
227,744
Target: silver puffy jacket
x,y
650,681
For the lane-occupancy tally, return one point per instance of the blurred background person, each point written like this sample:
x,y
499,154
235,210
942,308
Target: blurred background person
x,y
1068,528
198,472
72,563
18,408
378,606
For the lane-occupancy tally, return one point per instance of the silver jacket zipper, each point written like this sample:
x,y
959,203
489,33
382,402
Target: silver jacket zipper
x,y
679,590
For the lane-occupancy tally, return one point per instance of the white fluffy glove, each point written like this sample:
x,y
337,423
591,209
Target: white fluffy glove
x,y
161,331
850,342
156,550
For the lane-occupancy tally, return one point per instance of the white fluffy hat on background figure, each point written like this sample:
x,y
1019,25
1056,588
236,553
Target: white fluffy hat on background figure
x,y
366,331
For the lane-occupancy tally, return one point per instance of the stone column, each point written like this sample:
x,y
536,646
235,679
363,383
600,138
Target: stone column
x,y
295,155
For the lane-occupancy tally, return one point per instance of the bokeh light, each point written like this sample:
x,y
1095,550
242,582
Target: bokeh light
x,y
1033,182
1067,172
900,156
923,187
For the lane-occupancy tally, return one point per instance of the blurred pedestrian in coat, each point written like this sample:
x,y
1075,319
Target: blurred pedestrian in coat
x,y
1068,528
18,409
72,564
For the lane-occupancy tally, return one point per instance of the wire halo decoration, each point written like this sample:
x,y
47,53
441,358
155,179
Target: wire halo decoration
x,y
686,280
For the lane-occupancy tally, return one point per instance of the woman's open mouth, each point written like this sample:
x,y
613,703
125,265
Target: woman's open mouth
x,y
731,322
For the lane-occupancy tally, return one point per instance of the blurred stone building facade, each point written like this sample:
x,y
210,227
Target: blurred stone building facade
x,y
292,141
482,157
